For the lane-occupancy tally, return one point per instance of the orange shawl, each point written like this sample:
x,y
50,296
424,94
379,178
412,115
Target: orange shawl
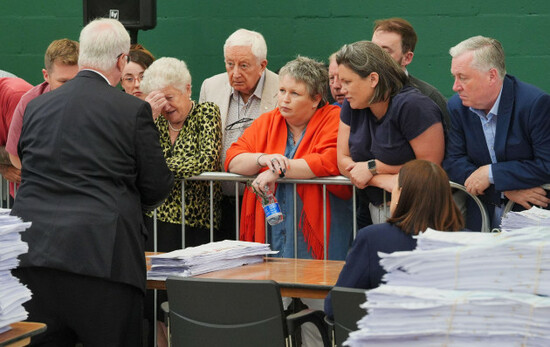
x,y
268,134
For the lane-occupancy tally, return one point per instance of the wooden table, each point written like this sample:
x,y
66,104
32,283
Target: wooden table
x,y
298,278
20,334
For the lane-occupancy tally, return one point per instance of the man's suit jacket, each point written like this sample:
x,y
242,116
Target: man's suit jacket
x,y
522,143
91,160
217,89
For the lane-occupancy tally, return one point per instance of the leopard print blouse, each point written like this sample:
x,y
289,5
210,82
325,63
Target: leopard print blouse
x,y
196,150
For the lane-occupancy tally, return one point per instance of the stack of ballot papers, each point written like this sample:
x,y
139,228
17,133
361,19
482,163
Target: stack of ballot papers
x,y
463,289
12,293
532,217
420,316
209,257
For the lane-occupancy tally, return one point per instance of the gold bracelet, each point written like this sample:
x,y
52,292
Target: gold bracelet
x,y
258,160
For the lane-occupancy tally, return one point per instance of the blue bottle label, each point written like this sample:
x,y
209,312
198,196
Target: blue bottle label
x,y
271,209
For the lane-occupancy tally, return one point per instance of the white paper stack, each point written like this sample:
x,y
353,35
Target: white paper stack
x,y
209,257
416,316
12,293
532,217
464,289
518,261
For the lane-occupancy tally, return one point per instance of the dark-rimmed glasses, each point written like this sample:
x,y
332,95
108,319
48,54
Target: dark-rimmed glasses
x,y
239,123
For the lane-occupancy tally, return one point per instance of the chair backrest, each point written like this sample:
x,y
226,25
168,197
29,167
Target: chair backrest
x,y
209,312
345,306
485,224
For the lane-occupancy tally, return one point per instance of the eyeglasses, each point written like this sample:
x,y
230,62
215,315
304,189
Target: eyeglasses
x,y
241,123
129,79
127,57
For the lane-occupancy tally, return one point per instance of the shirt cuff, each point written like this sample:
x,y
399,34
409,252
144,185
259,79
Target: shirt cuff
x,y
491,174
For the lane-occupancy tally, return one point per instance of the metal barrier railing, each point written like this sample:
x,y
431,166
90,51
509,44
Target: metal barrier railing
x,y
334,180
229,177
212,177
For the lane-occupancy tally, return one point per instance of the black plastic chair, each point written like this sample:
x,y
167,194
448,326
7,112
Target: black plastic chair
x,y
346,310
210,312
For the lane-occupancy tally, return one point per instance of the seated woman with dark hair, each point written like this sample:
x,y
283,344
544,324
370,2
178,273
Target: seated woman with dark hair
x,y
421,199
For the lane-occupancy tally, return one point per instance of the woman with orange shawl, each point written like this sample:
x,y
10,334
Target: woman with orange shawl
x,y
296,140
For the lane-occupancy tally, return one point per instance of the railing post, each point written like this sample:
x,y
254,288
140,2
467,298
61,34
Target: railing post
x,y
211,211
182,213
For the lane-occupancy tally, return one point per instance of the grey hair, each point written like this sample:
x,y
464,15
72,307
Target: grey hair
x,y
252,39
364,58
312,73
101,41
166,72
488,53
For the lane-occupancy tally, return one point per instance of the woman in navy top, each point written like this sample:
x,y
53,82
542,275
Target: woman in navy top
x,y
383,124
421,199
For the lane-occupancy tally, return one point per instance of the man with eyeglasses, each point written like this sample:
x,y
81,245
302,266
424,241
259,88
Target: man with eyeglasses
x,y
246,91
92,162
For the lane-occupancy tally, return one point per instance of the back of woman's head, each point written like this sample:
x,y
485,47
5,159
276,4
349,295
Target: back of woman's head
x,y
364,58
426,200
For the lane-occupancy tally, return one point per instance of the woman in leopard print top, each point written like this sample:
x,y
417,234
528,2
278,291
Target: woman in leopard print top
x,y
190,136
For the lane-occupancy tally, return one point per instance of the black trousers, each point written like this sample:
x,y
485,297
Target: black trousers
x,y
77,308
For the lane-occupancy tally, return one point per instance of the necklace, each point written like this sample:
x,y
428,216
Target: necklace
x,y
172,127
190,110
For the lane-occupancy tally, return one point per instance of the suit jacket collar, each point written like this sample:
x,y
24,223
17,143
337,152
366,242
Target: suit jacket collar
x,y
93,74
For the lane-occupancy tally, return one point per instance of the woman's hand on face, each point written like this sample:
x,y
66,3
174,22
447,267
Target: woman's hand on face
x,y
277,163
360,175
265,179
157,101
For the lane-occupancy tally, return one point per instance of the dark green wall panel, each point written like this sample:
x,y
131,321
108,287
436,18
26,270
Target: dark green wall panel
x,y
196,30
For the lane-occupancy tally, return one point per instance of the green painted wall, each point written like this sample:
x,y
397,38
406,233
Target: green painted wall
x,y
196,30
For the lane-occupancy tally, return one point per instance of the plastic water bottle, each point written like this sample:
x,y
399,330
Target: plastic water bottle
x,y
272,211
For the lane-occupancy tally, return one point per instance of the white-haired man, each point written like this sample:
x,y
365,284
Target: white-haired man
x,y
499,146
334,81
91,162
247,90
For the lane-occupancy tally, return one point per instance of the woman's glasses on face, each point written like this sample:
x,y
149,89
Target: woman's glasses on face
x,y
129,79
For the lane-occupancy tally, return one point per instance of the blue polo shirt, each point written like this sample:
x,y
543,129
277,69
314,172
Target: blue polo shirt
x,y
409,114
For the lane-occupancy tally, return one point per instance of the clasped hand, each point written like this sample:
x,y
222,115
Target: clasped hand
x,y
277,165
359,174
478,181
528,197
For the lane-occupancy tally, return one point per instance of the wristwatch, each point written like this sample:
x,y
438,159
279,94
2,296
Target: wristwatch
x,y
371,165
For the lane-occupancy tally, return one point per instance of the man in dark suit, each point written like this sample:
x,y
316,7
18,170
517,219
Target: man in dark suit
x,y
499,146
91,161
